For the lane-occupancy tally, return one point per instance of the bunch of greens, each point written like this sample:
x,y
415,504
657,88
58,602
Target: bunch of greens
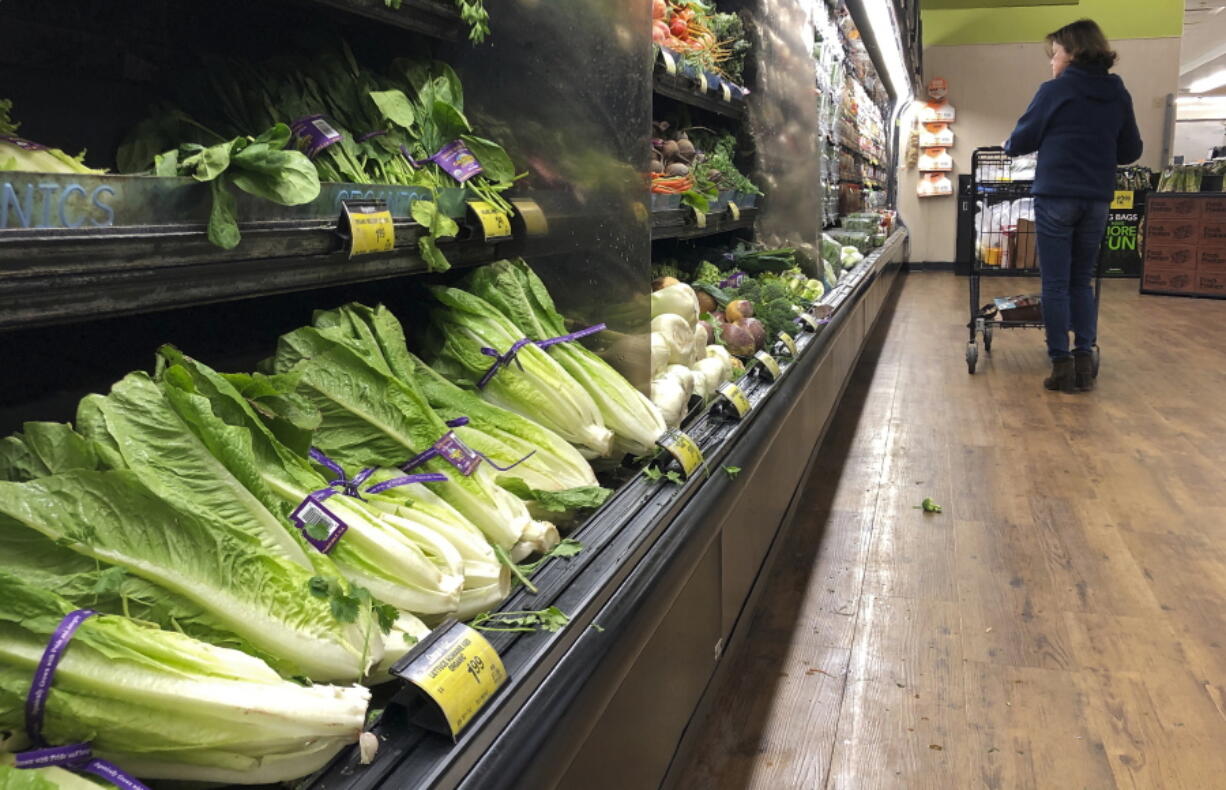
x,y
369,417
729,31
21,155
543,463
720,159
379,129
514,289
534,385
163,705
258,166
471,11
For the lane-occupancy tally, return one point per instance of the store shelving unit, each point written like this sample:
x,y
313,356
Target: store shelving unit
x,y
669,572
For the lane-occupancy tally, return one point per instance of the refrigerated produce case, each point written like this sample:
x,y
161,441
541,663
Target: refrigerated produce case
x,y
668,570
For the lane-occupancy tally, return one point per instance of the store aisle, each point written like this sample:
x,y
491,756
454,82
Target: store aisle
x,y
1061,625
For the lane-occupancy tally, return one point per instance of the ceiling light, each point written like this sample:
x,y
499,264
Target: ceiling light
x,y
889,44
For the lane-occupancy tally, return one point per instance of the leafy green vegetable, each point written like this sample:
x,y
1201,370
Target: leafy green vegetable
x,y
535,385
403,562
732,471
928,506
549,619
569,547
40,160
514,289
258,166
564,501
372,418
165,706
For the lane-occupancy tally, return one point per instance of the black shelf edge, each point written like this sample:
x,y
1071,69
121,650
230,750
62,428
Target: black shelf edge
x,y
680,223
433,18
686,91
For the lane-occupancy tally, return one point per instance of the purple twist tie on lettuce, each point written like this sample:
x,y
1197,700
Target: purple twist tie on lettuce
x,y
352,488
22,143
452,450
40,687
370,135
76,757
501,360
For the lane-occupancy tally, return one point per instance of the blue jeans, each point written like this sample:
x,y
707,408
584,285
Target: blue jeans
x,y
1070,234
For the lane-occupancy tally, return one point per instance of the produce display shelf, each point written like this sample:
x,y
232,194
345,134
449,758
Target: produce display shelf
x,y
630,544
70,277
681,223
433,18
686,91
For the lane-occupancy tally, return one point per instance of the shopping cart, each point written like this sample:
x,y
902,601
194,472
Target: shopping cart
x,y
1005,246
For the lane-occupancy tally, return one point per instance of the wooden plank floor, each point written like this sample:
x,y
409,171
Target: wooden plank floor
x,y
1061,625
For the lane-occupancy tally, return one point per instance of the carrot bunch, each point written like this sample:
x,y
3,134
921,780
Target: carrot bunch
x,y
671,185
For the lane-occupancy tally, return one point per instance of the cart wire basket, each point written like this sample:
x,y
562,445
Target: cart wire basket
x,y
1005,246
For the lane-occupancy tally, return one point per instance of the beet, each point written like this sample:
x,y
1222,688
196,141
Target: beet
x,y
739,340
757,329
738,309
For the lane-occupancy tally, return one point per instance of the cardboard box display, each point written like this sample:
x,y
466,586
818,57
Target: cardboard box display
x,y
1213,233
1173,257
1172,231
1211,283
1023,249
1168,207
1166,280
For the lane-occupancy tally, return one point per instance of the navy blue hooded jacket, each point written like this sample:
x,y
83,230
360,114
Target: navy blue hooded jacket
x,y
1082,124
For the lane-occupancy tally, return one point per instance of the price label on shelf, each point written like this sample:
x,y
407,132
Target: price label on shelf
x,y
703,83
700,217
788,342
725,90
734,396
1124,200
683,449
768,364
495,224
370,227
809,322
458,670
734,210
533,217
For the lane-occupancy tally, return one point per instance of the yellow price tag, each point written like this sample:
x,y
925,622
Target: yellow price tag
x,y
735,396
1124,200
788,342
734,210
769,364
457,668
725,90
534,219
495,224
810,322
703,82
670,62
682,448
370,229
700,218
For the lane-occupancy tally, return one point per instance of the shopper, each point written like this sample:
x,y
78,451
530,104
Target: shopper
x,y
1081,122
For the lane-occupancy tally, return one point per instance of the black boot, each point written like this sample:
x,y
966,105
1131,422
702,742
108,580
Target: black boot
x,y
1083,372
1063,377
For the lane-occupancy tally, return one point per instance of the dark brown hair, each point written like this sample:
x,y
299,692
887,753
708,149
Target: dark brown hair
x,y
1085,43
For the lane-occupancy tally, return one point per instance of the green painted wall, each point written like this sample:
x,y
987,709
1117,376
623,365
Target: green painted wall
x,y
1119,19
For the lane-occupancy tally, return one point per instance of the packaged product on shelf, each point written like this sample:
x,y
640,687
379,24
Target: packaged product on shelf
x,y
936,135
935,160
935,185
